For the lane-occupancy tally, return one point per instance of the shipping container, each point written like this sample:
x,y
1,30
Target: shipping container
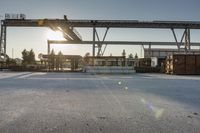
x,y
178,64
183,64
190,66
198,64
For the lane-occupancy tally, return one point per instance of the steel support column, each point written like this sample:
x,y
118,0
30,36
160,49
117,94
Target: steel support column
x,y
5,32
178,45
149,50
1,35
187,40
100,52
3,40
48,48
93,47
186,36
99,45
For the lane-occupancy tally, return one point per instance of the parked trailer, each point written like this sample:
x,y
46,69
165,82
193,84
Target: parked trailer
x,y
150,65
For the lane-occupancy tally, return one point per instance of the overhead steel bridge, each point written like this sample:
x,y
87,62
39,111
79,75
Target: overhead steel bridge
x,y
73,37
102,23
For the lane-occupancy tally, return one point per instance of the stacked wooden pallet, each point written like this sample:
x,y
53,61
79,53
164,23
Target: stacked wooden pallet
x,y
169,65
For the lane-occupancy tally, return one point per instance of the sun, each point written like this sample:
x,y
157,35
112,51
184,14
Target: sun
x,y
54,35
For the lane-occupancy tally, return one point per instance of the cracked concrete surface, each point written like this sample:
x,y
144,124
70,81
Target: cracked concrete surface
x,y
78,102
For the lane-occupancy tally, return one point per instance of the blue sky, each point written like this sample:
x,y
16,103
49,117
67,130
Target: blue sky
x,y
147,10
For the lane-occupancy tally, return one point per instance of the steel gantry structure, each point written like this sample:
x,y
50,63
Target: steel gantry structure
x,y
73,37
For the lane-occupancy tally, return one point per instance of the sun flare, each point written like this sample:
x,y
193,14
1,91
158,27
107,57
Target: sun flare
x,y
54,35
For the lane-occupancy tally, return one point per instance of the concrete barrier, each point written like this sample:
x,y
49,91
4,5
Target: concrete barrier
x,y
108,69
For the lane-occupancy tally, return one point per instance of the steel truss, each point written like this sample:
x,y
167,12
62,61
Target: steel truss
x,y
143,43
72,37
186,35
99,43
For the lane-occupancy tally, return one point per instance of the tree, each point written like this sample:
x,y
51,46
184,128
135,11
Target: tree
x,y
52,52
87,54
124,53
60,60
31,57
136,64
28,57
52,59
40,56
25,56
136,56
130,56
86,58
129,60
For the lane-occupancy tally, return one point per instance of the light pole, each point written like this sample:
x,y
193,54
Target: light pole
x,y
12,53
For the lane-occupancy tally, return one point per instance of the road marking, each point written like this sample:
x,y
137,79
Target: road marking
x,y
29,75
